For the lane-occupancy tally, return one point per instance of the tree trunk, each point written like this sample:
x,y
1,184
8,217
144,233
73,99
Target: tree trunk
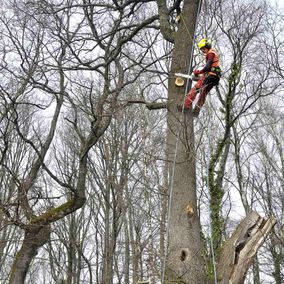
x,y
163,211
277,259
276,256
127,252
107,269
35,237
184,262
71,252
240,249
255,268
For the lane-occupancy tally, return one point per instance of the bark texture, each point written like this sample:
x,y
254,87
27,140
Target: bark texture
x,y
35,237
185,263
240,249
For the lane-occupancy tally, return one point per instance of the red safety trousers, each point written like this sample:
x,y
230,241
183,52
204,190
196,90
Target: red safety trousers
x,y
204,85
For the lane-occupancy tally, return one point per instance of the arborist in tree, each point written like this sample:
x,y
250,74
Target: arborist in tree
x,y
210,77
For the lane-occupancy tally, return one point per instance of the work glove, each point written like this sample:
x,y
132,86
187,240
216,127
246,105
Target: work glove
x,y
197,72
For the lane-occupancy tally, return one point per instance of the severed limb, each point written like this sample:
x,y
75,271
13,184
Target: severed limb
x,y
240,249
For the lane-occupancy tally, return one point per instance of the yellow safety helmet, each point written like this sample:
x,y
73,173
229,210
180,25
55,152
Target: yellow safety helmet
x,y
205,42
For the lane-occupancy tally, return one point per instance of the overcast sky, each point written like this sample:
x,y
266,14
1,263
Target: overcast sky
x,y
280,2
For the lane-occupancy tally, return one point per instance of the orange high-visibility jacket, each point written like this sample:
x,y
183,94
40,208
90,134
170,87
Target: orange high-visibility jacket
x,y
215,67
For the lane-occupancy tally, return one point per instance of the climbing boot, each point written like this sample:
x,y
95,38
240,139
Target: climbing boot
x,y
195,112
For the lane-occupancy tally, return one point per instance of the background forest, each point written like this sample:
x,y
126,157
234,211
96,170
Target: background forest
x,y
84,181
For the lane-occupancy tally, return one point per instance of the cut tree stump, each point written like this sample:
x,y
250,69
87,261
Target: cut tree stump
x,y
240,249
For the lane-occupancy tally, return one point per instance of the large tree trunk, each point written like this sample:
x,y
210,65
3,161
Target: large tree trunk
x,y
35,237
240,249
184,262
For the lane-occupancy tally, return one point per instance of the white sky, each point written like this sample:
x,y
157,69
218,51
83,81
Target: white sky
x,y
280,3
